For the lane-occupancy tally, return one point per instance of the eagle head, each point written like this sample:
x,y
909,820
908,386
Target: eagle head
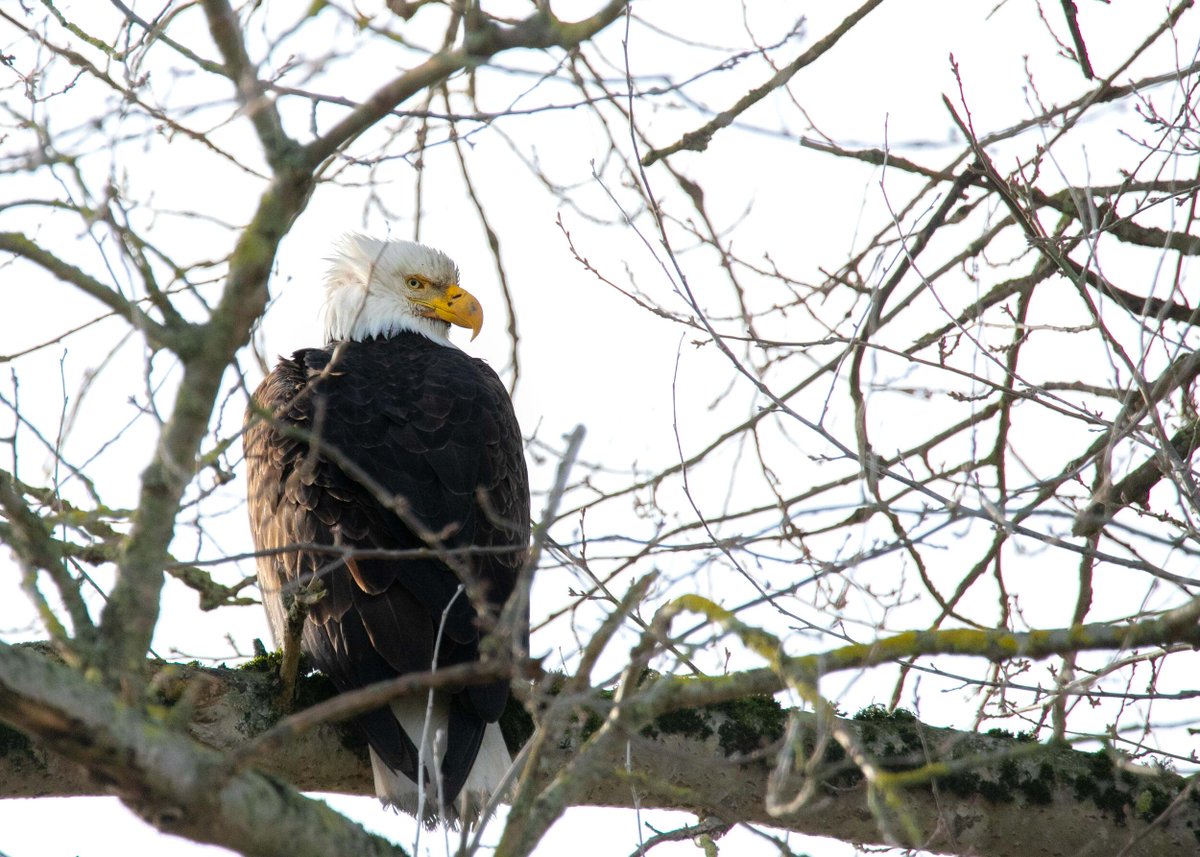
x,y
379,288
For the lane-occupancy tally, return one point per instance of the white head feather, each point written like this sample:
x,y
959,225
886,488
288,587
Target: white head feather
x,y
366,293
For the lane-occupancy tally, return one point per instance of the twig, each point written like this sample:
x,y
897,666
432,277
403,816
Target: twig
x,y
1081,53
354,702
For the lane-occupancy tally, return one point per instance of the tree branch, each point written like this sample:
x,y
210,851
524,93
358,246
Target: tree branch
x,y
36,549
226,32
131,613
713,759
698,140
539,30
171,781
156,334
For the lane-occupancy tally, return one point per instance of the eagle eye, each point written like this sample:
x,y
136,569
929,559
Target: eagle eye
x,y
415,283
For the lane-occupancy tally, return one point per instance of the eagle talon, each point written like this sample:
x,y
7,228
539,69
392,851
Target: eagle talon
x,y
289,664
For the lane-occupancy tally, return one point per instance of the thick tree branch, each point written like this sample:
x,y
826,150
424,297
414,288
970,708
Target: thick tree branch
x,y
1181,625
1141,305
170,780
1134,489
227,33
967,791
539,30
131,613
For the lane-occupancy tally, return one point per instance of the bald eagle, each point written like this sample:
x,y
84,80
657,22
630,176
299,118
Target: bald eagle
x,y
391,410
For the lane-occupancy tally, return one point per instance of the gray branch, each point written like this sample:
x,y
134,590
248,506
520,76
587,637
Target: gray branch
x,y
991,795
88,743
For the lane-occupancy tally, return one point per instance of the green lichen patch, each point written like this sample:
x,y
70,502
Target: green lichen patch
x,y
591,721
1151,802
1118,793
877,713
753,722
689,722
13,743
264,662
978,766
962,784
743,726
892,737
1014,781
838,771
1097,784
1039,790
1024,778
1029,737
311,686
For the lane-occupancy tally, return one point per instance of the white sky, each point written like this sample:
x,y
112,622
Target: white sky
x,y
588,354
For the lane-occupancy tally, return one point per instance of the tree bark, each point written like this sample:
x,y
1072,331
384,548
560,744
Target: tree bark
x,y
990,795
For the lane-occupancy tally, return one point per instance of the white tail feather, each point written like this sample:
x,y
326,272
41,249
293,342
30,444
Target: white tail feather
x,y
398,791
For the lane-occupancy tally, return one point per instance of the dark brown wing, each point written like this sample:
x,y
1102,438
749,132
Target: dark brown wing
x,y
416,420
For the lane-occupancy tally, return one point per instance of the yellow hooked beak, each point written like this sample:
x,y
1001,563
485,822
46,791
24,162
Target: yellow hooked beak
x,y
455,305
